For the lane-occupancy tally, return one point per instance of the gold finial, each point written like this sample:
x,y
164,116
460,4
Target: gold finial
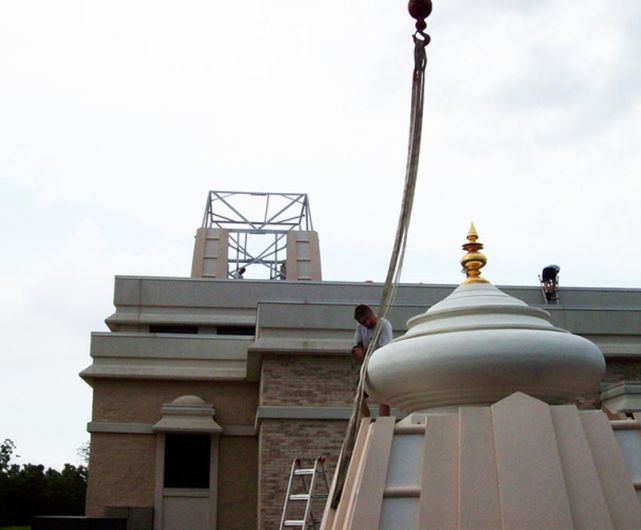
x,y
474,260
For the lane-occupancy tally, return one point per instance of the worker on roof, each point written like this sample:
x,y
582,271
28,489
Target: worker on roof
x,y
366,326
239,274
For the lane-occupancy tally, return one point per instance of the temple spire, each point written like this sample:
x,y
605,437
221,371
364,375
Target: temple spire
x,y
474,260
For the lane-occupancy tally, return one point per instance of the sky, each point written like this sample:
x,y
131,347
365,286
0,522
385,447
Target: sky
x,y
117,117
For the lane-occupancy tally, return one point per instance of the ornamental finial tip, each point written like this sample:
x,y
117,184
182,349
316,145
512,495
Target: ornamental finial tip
x,y
471,233
474,260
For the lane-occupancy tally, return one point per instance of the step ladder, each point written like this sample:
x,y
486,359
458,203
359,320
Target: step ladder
x,y
303,487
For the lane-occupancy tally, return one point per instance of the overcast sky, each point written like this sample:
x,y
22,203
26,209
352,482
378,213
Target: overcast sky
x,y
117,117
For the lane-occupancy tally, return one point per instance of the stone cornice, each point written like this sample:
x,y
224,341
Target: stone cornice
x,y
280,412
112,427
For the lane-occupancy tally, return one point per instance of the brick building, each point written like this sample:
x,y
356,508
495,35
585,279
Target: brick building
x,y
206,388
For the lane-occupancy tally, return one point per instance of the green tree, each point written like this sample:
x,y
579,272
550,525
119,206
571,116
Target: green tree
x,y
30,490
83,453
6,452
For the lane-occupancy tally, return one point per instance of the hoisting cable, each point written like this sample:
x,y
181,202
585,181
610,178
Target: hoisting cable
x,y
420,10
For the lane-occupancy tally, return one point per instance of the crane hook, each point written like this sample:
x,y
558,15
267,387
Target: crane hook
x,y
420,10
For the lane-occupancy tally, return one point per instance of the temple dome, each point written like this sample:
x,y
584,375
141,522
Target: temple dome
x,y
478,346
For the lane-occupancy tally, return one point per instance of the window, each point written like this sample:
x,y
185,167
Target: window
x,y
160,328
187,460
236,330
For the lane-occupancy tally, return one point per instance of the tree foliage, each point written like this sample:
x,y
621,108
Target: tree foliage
x,y
30,490
6,452
83,453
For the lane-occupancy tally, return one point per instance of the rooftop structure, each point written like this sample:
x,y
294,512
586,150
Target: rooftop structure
x,y
262,234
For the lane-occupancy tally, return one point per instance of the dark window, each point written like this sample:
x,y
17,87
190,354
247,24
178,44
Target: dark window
x,y
160,328
236,330
187,460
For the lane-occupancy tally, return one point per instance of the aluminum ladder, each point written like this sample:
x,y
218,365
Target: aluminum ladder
x,y
309,482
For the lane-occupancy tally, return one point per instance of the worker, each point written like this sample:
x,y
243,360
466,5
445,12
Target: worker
x,y
366,326
239,274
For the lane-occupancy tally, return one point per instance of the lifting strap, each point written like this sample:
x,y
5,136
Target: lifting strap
x,y
360,409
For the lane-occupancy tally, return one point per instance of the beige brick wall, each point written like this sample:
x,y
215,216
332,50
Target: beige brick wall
x,y
122,471
299,381
279,442
141,401
310,380
238,483
122,466
125,464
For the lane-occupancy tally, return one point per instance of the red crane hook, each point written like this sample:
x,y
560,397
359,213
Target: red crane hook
x,y
420,10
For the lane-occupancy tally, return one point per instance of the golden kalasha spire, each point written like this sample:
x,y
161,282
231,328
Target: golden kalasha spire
x,y
474,260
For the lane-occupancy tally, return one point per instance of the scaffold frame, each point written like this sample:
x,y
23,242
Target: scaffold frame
x,y
238,213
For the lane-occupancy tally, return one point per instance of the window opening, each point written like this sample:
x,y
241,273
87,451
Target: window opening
x,y
170,328
236,330
187,460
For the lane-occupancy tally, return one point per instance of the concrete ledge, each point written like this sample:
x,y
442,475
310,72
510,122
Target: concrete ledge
x,y
613,347
168,346
119,428
143,315
174,357
301,346
597,320
186,492
303,413
312,413
622,397
171,373
162,291
619,389
113,427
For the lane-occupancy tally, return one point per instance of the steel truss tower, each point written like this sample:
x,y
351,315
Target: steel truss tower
x,y
258,224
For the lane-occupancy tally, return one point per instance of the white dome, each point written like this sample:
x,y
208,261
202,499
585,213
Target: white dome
x,y
478,346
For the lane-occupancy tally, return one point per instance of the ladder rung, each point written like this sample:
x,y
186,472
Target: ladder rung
x,y
299,497
309,497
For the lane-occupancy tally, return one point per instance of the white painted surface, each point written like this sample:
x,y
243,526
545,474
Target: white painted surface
x,y
399,514
186,509
405,457
630,443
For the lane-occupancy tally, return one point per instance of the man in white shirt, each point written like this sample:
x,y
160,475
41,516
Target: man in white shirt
x,y
364,334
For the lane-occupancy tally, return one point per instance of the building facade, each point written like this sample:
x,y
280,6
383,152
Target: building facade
x,y
205,389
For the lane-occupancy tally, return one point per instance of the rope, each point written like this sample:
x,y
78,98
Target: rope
x,y
395,267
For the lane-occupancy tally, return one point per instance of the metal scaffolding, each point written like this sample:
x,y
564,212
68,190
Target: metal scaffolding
x,y
258,223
